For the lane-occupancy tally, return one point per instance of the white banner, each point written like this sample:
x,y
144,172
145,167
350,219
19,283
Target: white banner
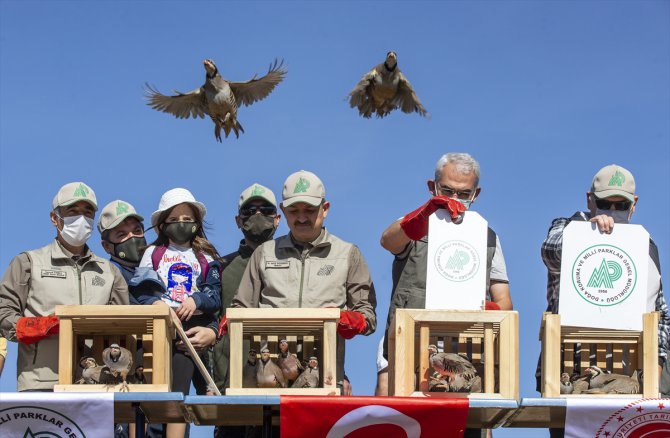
x,y
56,414
604,276
456,271
617,418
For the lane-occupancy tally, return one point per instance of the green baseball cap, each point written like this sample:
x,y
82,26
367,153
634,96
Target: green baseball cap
x,y
256,191
613,180
114,213
303,186
73,192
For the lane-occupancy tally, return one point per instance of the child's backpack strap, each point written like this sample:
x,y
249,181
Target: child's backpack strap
x,y
157,255
204,265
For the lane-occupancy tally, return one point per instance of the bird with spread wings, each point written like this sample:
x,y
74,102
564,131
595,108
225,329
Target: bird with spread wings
x,y
218,98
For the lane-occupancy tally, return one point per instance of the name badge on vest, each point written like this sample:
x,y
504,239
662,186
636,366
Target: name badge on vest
x,y
277,264
53,273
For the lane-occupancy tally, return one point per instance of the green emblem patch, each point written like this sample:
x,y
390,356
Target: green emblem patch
x,y
257,191
121,207
301,186
617,179
81,191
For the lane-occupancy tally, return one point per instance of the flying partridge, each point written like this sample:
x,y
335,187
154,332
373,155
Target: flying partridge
x,y
384,89
217,97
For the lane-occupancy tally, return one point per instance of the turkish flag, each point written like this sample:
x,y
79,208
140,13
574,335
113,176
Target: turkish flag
x,y
371,417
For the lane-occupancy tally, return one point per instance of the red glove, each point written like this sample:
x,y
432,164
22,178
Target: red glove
x,y
415,224
490,305
31,329
351,324
223,327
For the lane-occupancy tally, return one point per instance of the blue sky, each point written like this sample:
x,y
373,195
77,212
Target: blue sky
x,y
543,94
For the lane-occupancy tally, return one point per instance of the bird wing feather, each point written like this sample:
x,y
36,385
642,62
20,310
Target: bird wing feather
x,y
255,89
406,99
182,105
358,96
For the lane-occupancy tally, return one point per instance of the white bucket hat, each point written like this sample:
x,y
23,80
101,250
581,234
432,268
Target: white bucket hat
x,y
175,197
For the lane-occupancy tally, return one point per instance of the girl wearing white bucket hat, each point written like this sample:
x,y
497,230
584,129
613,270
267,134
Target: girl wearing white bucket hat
x,y
185,262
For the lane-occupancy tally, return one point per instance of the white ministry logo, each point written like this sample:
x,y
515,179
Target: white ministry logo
x,y
456,260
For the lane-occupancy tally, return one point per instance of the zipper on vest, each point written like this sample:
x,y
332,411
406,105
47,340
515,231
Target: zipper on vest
x,y
302,277
76,265
35,355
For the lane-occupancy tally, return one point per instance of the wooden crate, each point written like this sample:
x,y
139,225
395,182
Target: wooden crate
x,y
489,338
618,351
266,326
99,326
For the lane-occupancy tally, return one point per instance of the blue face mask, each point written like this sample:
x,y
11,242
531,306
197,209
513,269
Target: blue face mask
x,y
620,217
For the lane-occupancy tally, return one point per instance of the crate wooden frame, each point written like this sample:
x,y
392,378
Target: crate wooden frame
x,y
642,347
268,323
496,331
121,324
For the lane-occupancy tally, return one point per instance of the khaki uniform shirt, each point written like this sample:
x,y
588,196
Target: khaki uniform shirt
x,y
34,284
329,272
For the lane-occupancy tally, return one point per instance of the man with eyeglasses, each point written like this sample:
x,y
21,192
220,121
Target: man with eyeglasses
x,y
63,272
311,267
610,201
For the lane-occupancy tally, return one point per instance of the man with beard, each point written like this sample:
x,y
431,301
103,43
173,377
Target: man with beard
x,y
258,219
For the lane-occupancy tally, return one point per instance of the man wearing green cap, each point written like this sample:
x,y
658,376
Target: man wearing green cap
x,y
258,219
63,272
610,201
310,267
122,232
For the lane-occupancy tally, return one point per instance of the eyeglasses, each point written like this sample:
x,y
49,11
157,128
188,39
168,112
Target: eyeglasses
x,y
450,193
266,210
604,204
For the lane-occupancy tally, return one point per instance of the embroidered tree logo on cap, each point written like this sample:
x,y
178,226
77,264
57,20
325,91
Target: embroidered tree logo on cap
x,y
121,208
81,191
617,179
257,191
301,186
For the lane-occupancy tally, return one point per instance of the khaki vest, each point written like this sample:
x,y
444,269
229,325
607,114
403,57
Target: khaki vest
x,y
317,278
55,279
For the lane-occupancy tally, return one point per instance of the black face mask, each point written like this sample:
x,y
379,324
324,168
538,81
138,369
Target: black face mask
x,y
130,250
180,232
259,228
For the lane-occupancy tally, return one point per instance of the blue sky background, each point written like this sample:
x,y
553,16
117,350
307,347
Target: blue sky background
x,y
543,94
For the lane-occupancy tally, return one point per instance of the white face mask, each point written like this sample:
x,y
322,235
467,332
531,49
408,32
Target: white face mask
x,y
620,217
76,229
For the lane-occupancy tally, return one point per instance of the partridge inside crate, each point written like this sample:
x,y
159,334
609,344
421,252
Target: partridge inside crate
x,y
88,330
617,351
488,338
315,330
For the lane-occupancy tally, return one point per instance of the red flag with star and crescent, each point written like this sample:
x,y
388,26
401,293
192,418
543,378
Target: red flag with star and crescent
x,y
372,417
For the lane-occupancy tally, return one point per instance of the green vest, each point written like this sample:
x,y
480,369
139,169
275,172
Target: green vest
x,y
233,268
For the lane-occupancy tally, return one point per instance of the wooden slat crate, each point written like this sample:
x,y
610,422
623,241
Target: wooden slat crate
x,y
315,330
99,326
618,351
488,338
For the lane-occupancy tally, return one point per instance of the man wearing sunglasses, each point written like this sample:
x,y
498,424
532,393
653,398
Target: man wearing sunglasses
x,y
610,201
258,219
